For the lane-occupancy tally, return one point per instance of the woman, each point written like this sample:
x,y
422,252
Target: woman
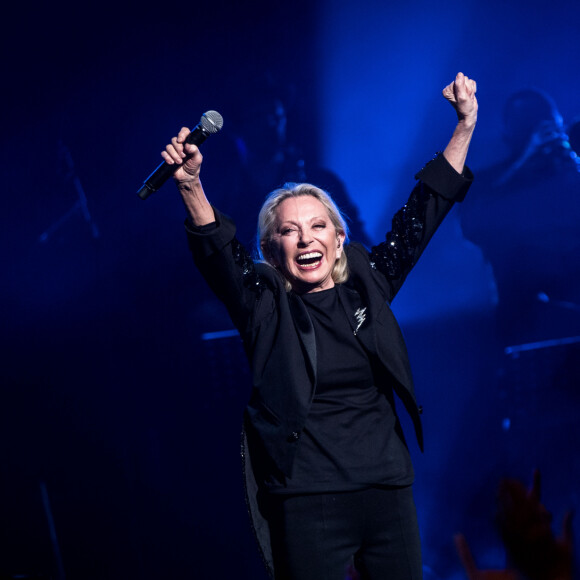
x,y
328,473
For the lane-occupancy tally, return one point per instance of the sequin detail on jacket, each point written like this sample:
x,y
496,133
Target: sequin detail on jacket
x,y
251,279
395,256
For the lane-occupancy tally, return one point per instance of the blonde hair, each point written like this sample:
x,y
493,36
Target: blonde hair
x,y
267,223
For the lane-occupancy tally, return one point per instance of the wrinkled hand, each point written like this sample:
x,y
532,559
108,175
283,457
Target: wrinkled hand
x,y
184,154
473,573
461,94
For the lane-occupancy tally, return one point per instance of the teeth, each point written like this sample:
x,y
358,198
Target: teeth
x,y
309,256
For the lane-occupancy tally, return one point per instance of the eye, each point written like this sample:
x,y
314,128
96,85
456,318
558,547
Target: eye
x,y
319,226
287,231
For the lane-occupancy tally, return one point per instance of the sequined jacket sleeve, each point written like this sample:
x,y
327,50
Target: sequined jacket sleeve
x,y
249,290
438,188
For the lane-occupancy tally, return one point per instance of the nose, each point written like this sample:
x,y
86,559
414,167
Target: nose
x,y
305,238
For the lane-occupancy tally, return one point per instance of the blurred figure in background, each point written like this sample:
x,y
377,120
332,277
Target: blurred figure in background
x,y
524,217
534,132
574,135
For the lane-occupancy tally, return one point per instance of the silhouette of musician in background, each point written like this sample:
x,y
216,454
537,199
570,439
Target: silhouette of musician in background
x,y
573,131
524,215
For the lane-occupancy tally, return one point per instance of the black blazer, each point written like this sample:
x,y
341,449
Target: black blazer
x,y
278,334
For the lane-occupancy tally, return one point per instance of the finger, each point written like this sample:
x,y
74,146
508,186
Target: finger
x,y
178,146
465,555
182,135
449,92
191,150
462,94
470,87
463,86
173,155
167,158
467,84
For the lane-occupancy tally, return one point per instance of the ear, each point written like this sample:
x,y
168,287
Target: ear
x,y
340,244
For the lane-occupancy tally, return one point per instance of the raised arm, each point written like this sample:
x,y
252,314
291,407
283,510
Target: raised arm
x,y
187,177
461,94
442,182
223,262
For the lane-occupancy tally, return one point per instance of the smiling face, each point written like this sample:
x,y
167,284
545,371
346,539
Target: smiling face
x,y
305,244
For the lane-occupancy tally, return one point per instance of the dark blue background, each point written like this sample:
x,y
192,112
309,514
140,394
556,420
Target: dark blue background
x,y
109,396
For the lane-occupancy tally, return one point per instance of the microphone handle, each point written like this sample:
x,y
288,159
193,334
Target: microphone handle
x,y
164,171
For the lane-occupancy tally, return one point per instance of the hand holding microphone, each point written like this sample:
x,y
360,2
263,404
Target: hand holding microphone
x,y
211,122
182,157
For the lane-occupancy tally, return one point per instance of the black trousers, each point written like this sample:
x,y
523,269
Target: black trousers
x,y
318,536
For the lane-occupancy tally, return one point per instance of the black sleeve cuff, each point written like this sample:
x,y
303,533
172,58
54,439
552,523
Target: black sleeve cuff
x,y
440,176
191,228
210,238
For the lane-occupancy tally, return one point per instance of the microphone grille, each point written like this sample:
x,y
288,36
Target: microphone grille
x,y
212,121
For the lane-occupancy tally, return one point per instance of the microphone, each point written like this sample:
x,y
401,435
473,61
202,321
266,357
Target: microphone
x,y
211,122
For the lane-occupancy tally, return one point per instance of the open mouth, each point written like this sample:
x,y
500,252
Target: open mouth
x,y
309,260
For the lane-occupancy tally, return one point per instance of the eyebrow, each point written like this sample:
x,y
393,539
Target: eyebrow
x,y
309,221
